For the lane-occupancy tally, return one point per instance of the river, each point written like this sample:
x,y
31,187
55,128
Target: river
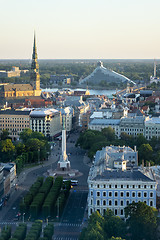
x,y
92,91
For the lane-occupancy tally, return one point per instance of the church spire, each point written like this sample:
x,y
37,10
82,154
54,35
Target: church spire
x,y
35,77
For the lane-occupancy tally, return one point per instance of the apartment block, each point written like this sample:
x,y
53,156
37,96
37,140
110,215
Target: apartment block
x,y
15,121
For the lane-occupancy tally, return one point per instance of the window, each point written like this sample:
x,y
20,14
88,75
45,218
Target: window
x,y
91,201
115,186
151,186
139,186
116,203
121,211
110,194
121,194
145,194
98,210
98,194
127,186
121,202
151,203
110,203
104,194
97,185
116,194
133,186
91,211
110,186
139,194
104,202
91,193
115,211
104,210
104,186
144,186
121,186
127,202
151,194
98,202
133,194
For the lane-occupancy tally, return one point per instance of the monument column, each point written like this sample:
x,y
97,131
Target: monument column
x,y
63,163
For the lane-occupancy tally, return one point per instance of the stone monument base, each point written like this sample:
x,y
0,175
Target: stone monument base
x,y
63,166
67,173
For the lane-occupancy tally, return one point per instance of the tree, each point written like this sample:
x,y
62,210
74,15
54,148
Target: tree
x,y
142,221
113,225
7,149
25,134
140,140
5,135
20,148
109,133
145,152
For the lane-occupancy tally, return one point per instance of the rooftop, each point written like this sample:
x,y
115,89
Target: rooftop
x,y
102,121
129,175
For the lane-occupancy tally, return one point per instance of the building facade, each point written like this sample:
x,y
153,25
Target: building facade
x,y
47,121
1,181
14,121
115,181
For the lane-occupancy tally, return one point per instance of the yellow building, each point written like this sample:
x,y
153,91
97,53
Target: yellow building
x,y
14,121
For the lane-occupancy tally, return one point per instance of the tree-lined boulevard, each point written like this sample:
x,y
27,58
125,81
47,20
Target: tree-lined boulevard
x,y
72,218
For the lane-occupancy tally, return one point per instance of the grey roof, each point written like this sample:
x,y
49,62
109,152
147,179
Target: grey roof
x,y
109,121
146,91
133,175
13,112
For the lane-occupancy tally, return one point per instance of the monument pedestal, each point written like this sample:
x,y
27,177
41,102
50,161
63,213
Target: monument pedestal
x,y
63,166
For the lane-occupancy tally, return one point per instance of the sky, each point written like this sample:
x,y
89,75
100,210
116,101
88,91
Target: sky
x,y
80,29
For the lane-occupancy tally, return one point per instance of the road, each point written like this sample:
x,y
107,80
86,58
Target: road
x,y
71,221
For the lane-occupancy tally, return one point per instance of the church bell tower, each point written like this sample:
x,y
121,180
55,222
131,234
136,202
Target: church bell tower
x,y
35,76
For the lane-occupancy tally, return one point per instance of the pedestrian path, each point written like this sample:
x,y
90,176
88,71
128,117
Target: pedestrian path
x,y
70,224
65,238
9,223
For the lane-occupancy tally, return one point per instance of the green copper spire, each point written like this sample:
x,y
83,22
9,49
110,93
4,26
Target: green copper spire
x,y
35,77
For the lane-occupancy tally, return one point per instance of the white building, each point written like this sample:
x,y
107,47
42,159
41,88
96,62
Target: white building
x,y
112,185
47,121
152,128
100,123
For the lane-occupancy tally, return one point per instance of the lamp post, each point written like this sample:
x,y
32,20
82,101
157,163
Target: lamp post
x,y
23,217
38,154
58,208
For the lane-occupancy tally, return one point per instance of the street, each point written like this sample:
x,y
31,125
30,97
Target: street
x,y
71,221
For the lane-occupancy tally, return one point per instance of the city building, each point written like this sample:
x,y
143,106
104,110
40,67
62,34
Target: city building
x,y
61,79
100,123
10,170
1,181
132,125
15,121
47,121
113,185
15,72
152,128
